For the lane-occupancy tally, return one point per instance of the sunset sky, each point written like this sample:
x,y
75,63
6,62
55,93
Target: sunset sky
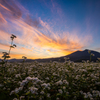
x,y
49,28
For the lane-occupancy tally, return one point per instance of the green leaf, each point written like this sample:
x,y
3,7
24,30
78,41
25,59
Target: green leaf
x,y
58,94
17,95
27,93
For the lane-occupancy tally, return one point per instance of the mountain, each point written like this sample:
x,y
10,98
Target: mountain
x,y
83,55
77,56
20,60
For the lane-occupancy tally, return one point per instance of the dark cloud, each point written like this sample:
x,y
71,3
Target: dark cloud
x,y
10,7
32,22
11,10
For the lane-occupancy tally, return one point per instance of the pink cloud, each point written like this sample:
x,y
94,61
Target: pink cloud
x,y
32,37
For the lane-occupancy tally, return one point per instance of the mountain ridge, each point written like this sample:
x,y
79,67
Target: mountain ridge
x,y
76,56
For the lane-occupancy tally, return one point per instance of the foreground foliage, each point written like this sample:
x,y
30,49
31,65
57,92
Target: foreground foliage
x,y
50,81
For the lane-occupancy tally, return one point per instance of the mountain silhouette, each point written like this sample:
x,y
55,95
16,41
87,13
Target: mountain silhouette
x,y
83,55
77,56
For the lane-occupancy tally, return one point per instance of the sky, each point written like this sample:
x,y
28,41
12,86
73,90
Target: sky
x,y
49,28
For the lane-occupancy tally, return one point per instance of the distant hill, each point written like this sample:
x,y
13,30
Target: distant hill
x,y
83,55
21,60
77,56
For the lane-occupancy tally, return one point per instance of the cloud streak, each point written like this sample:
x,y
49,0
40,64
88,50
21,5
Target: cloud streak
x,y
35,38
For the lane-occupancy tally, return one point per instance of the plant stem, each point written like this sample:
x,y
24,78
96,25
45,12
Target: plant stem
x,y
9,51
10,47
90,57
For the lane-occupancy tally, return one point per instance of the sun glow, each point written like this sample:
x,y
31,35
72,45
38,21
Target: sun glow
x,y
35,38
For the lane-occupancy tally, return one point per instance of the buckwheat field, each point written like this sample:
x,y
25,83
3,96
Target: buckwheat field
x,y
50,81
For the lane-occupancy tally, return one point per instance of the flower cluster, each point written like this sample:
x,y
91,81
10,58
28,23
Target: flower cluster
x,y
51,81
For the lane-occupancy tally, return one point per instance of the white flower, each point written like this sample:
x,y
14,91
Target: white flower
x,y
40,98
28,78
98,59
33,90
15,99
92,54
47,78
35,79
86,96
59,83
45,85
1,85
89,95
17,75
42,92
23,82
81,92
20,88
16,90
57,99
48,94
87,61
12,92
91,99
60,91
22,97
64,87
65,82
48,88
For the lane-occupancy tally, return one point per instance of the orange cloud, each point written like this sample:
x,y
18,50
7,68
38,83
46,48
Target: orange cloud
x,y
17,56
33,37
2,19
18,51
45,42
4,7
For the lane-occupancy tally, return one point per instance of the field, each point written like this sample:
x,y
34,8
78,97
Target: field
x,y
50,81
